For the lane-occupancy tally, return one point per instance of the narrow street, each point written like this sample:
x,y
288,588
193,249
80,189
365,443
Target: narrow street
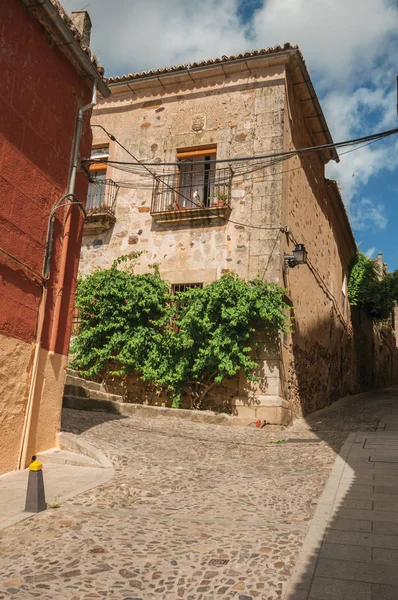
x,y
193,512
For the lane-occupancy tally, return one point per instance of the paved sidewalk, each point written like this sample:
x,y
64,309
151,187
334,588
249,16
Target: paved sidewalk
x,y
351,549
193,511
65,474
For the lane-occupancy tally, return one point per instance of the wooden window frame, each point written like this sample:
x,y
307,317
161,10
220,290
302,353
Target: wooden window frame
x,y
196,151
191,152
94,167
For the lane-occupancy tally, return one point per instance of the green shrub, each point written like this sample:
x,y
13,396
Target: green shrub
x,y
186,343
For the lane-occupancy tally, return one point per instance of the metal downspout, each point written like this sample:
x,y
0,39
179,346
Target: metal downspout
x,y
65,245
40,319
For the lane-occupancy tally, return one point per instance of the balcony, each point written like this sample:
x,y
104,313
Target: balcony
x,y
192,196
100,206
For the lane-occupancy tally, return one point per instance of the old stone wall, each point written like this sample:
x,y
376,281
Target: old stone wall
x,y
375,351
240,118
133,390
256,112
318,357
333,351
242,115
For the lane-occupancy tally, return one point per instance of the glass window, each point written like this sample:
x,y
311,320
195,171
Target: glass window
x,y
97,186
196,178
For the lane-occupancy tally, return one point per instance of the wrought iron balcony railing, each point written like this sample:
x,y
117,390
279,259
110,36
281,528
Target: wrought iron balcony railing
x,y
101,198
200,190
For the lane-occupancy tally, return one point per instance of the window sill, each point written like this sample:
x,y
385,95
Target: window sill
x,y
193,215
96,222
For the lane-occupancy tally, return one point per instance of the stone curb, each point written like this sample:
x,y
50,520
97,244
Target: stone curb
x,y
72,443
105,473
140,410
299,585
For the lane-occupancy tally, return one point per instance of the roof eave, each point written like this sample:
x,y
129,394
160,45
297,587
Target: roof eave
x,y
321,116
49,17
333,183
288,53
181,69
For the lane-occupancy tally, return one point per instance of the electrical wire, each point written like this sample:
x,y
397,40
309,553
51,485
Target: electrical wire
x,y
157,178
135,170
368,138
38,276
273,158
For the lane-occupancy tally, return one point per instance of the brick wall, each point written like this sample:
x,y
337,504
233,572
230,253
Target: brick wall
x,y
41,92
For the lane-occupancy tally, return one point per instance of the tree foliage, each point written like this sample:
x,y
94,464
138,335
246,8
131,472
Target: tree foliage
x,y
188,342
371,289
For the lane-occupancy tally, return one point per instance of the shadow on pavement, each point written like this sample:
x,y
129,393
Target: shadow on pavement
x,y
351,549
86,420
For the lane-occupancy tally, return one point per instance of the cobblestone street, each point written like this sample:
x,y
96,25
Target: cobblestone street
x,y
193,512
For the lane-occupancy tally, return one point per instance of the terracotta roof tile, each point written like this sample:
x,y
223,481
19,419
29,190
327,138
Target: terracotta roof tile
x,y
76,34
202,63
72,28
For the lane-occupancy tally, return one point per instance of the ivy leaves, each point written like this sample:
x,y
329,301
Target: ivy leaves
x,y
185,343
371,289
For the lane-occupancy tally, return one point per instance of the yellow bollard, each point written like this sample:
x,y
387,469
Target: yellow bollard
x,y
35,497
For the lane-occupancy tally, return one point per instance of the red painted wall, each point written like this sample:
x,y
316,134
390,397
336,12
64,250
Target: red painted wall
x,y
40,95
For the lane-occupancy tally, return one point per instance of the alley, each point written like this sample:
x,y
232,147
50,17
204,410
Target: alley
x,y
193,512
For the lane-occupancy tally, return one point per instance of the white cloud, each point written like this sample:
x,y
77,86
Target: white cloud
x,y
340,39
370,252
355,114
365,214
349,46
145,34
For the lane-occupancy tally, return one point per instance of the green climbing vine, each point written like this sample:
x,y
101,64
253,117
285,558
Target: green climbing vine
x,y
371,289
186,343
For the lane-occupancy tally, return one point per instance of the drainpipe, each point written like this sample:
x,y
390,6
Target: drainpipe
x,y
71,190
46,274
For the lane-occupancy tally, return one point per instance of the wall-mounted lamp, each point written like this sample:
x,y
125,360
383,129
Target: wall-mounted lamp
x,y
299,256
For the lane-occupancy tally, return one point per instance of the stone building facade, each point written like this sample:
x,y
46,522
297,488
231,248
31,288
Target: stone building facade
x,y
46,75
198,219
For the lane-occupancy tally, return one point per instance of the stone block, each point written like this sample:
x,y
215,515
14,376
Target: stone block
x,y
324,588
352,538
344,552
269,99
275,415
386,505
382,556
352,571
268,145
267,386
386,527
272,119
384,592
351,525
386,489
354,503
368,515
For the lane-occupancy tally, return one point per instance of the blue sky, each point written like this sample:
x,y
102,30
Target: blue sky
x,y
350,47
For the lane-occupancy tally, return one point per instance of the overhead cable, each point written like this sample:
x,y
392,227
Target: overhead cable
x,y
294,152
273,158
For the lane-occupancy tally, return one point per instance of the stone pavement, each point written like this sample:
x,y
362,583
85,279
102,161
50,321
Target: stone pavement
x,y
351,549
194,511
